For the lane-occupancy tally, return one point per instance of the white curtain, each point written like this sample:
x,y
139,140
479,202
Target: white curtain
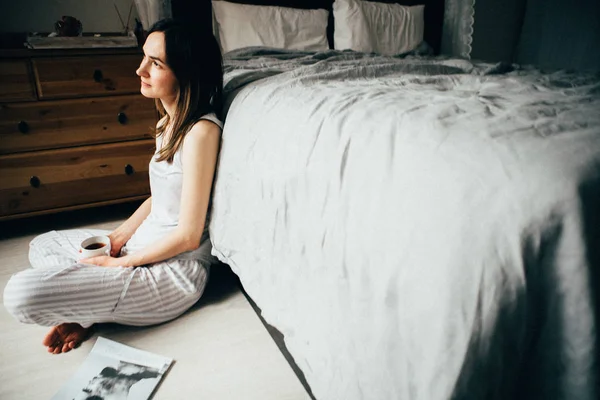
x,y
151,11
457,34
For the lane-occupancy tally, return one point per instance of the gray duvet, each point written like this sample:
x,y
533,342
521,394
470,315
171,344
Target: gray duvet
x,y
417,228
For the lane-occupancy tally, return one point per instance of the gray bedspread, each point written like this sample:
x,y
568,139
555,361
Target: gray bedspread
x,y
417,228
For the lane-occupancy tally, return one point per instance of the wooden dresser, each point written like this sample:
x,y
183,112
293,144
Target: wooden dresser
x,y
74,130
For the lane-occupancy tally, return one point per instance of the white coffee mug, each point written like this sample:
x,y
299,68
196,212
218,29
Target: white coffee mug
x,y
95,246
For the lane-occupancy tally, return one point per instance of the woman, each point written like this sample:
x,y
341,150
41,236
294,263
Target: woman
x,y
166,238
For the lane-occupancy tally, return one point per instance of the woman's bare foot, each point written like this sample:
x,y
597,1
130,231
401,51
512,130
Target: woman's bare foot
x,y
64,337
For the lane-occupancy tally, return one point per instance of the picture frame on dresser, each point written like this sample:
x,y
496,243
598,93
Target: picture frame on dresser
x,y
75,132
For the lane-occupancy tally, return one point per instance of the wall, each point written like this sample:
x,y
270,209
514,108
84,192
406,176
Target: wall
x,y
496,29
40,15
561,34
544,33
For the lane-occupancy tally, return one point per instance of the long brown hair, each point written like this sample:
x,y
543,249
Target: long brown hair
x,y
195,58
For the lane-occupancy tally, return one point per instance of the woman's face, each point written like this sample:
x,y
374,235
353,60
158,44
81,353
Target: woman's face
x,y
158,80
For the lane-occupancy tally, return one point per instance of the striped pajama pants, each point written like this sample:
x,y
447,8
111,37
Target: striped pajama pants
x,y
58,289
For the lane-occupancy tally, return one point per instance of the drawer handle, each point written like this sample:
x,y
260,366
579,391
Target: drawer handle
x,y
122,118
23,127
129,169
98,75
34,181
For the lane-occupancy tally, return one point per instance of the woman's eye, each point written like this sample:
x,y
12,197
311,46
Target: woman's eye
x,y
155,64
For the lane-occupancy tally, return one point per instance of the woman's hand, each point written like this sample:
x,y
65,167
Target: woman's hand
x,y
106,261
125,231
117,241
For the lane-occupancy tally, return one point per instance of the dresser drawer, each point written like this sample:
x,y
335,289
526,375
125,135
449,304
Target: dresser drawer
x,y
60,178
86,76
65,123
15,84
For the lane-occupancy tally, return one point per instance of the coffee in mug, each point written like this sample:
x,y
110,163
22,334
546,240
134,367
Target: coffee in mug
x,y
95,246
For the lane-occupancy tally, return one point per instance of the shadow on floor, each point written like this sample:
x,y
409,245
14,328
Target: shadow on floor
x,y
222,283
278,338
66,220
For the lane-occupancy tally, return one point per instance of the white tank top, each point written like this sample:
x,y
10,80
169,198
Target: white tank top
x,y
166,181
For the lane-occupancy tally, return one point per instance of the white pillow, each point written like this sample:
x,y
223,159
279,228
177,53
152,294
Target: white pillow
x,y
242,25
381,28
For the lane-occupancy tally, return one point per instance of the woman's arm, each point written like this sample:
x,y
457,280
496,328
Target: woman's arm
x,y
200,150
123,233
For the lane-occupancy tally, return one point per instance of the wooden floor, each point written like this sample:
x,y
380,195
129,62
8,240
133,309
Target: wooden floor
x,y
221,348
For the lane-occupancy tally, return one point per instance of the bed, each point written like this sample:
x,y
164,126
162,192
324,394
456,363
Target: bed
x,y
416,226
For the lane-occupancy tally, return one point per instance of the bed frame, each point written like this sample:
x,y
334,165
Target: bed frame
x,y
198,12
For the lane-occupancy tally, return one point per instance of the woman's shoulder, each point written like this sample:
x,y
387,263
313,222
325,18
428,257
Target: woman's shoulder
x,y
201,140
204,128
212,117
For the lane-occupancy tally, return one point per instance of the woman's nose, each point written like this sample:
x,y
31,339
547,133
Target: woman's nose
x,y
141,71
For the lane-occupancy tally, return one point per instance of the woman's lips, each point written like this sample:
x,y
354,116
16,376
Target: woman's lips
x,y
144,84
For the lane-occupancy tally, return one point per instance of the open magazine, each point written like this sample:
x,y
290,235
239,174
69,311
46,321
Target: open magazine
x,y
116,371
